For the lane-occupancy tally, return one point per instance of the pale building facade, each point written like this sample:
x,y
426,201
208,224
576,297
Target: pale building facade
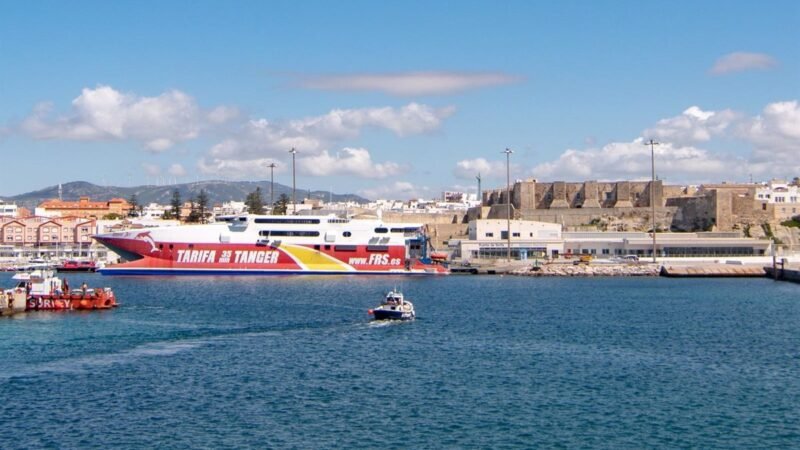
x,y
84,208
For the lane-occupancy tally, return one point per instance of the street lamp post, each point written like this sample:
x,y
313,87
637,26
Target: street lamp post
x,y
508,153
480,198
272,167
652,145
294,201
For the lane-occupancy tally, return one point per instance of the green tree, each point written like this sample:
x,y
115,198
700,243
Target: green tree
x,y
194,212
202,205
254,202
176,204
281,205
134,202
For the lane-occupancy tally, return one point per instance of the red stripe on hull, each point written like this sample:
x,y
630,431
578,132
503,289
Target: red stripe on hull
x,y
243,257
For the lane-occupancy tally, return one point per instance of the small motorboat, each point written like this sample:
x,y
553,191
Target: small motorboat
x,y
77,266
394,307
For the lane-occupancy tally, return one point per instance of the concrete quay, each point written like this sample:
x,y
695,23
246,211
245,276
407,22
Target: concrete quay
x,y
713,271
590,270
784,274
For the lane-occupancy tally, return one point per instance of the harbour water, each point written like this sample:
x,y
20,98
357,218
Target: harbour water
x,y
491,362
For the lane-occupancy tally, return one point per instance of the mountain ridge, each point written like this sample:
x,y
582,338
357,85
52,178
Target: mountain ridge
x,y
218,191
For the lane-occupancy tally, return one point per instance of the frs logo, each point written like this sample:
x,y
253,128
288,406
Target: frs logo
x,y
145,236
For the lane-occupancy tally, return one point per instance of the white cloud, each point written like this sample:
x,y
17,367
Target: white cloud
x,y
775,135
239,169
742,61
399,190
631,161
410,83
177,170
104,113
312,136
693,125
348,161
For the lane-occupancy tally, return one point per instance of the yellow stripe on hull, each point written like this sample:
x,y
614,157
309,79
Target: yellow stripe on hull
x,y
314,259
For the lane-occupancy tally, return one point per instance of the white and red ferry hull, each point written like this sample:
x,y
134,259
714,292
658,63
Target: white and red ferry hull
x,y
243,259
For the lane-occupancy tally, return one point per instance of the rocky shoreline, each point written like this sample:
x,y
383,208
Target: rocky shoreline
x,y
588,270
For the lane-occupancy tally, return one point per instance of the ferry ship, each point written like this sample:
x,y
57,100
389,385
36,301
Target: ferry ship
x,y
267,244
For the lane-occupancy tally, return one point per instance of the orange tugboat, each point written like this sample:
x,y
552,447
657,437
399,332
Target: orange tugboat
x,y
45,292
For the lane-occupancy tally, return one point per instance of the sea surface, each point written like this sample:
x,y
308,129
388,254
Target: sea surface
x,y
491,362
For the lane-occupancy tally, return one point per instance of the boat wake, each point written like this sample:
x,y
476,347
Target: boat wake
x,y
87,364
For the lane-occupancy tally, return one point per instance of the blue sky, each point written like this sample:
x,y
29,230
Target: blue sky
x,y
398,100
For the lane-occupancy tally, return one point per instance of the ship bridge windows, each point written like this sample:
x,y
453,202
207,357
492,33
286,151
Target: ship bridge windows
x,y
296,221
288,233
381,230
406,230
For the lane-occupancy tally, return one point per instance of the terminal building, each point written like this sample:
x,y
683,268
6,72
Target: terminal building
x,y
488,240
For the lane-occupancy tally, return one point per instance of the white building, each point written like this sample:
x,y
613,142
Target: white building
x,y
606,244
778,191
530,240
784,198
488,239
231,209
154,211
8,209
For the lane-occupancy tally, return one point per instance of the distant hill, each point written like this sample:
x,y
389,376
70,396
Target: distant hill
x,y
218,192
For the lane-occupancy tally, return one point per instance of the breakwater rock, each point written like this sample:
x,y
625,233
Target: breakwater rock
x,y
584,270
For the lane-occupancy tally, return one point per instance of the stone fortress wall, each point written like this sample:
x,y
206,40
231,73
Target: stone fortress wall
x,y
625,205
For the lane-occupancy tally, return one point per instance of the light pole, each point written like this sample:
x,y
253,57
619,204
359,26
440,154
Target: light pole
x,y
480,199
508,153
652,145
294,202
272,167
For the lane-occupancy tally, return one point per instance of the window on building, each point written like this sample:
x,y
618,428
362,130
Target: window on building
x,y
609,195
489,234
513,234
606,251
